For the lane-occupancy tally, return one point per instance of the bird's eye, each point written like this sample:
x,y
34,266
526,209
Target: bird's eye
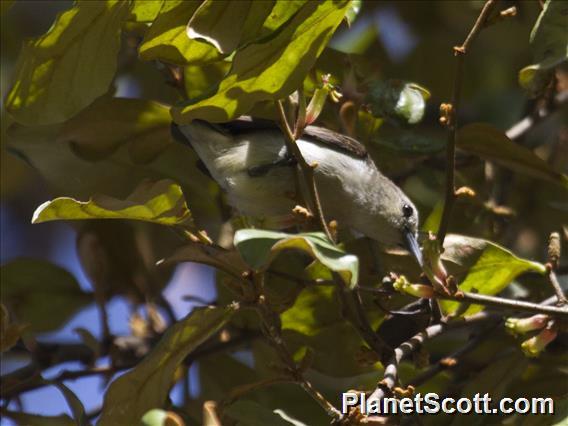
x,y
407,210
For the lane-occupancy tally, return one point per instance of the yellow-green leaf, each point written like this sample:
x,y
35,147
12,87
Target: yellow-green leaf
x,y
259,247
167,38
160,202
270,69
145,10
148,384
492,144
492,267
63,71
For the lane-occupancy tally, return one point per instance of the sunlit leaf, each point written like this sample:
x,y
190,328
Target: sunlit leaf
x,y
223,24
148,384
41,294
158,202
157,417
59,74
353,11
270,69
549,45
201,80
316,321
492,144
100,129
145,10
490,267
258,248
167,39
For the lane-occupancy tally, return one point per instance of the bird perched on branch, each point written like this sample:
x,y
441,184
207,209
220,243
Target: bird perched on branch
x,y
250,161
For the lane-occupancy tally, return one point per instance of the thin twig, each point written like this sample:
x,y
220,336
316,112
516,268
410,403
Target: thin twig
x,y
553,280
497,302
443,364
459,53
307,169
272,331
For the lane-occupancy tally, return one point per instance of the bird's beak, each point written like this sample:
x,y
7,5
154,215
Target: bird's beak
x,y
412,246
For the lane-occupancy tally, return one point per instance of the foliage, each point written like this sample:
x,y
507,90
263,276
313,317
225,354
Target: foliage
x,y
318,308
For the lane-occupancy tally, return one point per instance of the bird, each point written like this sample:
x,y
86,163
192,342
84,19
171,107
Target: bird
x,y
249,159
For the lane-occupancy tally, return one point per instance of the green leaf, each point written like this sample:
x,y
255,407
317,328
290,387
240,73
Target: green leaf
x,y
270,69
251,413
208,255
157,202
316,321
406,142
145,10
97,131
549,45
401,101
492,144
201,80
353,11
259,247
40,293
494,380
223,24
490,267
62,72
10,332
147,385
167,39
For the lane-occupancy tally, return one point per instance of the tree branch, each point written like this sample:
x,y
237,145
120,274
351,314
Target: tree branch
x,y
452,119
307,169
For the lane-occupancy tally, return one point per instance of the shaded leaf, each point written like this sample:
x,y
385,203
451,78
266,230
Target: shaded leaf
x,y
401,101
75,405
10,332
270,69
406,142
494,380
38,420
40,293
490,267
55,78
100,129
250,413
147,385
492,144
258,248
549,45
208,255
223,24
158,202
167,40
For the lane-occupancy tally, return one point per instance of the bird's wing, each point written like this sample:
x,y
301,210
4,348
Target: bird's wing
x,y
321,135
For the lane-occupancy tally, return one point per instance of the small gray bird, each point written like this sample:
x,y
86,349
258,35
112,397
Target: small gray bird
x,y
250,161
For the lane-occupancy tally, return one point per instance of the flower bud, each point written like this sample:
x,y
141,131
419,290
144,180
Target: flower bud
x,y
535,345
402,285
524,325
